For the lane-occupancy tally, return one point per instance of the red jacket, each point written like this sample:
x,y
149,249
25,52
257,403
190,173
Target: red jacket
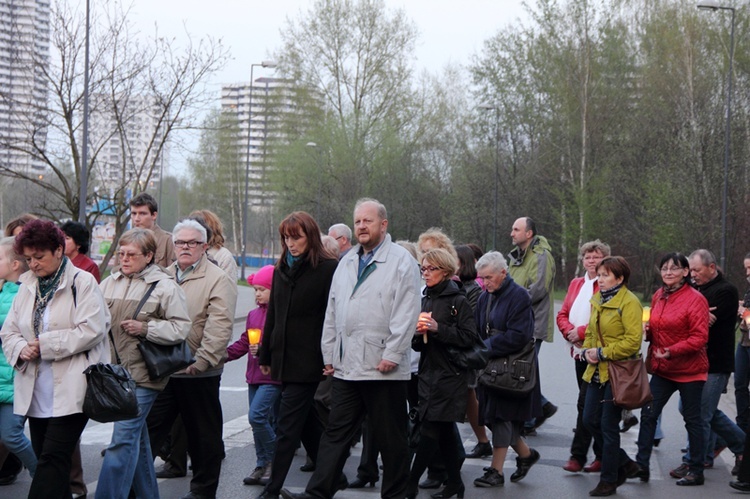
x,y
679,322
563,324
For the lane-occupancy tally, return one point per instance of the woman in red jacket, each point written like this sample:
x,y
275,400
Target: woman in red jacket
x,y
572,320
678,332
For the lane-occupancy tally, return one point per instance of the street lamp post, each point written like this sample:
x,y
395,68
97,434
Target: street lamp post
x,y
82,195
489,107
714,6
320,181
264,64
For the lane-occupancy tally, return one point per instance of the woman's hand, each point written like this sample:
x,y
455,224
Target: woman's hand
x,y
266,370
591,356
662,353
426,323
132,327
30,351
572,336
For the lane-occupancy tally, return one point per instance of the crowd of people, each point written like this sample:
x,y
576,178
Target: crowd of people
x,y
355,336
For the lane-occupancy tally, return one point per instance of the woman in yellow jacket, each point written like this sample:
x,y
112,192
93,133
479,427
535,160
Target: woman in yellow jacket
x,y
616,317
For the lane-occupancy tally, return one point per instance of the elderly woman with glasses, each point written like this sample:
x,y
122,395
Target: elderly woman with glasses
x,y
678,332
162,318
446,320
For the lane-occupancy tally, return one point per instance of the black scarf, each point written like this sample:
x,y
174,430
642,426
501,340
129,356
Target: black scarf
x,y
608,294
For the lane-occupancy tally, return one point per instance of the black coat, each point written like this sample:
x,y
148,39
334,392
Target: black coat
x,y
443,387
510,314
294,323
723,295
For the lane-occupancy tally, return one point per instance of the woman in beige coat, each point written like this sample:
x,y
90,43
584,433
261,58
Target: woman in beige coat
x,y
56,328
162,318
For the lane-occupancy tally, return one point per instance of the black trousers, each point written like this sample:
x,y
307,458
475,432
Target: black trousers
x,y
582,438
296,420
385,403
53,441
197,401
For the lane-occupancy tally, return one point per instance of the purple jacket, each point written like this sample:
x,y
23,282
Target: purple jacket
x,y
255,320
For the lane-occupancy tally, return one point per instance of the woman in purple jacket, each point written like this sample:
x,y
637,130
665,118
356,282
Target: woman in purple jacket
x,y
263,392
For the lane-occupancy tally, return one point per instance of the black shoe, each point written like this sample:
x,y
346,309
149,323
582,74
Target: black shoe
x,y
643,473
603,489
657,441
523,465
741,486
307,467
625,471
629,423
482,449
548,410
491,478
267,495
193,495
691,479
449,492
166,472
737,464
9,479
431,483
360,483
291,495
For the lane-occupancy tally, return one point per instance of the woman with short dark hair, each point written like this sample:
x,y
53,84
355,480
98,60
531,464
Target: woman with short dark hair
x,y
55,329
77,238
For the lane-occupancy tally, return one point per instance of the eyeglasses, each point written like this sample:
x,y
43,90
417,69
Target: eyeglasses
x,y
428,269
673,270
127,256
340,237
189,244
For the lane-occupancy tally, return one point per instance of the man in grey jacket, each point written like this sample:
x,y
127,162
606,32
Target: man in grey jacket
x,y
371,318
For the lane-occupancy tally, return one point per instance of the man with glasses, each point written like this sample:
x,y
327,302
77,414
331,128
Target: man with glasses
x,y
194,392
143,214
343,236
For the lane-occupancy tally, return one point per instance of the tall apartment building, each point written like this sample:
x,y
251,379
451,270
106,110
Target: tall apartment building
x,y
24,51
259,126
124,147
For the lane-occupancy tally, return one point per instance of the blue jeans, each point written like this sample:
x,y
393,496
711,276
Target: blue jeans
x,y
741,382
11,433
263,401
715,421
128,460
662,389
602,418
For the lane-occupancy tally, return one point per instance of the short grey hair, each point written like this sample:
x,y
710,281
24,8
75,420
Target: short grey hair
x,y
707,257
341,230
382,213
595,245
191,225
492,260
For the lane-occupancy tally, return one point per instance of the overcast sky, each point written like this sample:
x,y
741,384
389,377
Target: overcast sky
x,y
450,31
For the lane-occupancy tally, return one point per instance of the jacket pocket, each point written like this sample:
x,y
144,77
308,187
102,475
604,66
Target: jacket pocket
x,y
373,354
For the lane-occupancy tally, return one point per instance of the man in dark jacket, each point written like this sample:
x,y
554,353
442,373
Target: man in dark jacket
x,y
723,301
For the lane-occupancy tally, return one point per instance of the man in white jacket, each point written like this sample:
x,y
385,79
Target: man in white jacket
x,y
371,318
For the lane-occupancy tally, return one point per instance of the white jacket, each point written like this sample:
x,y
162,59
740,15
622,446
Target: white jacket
x,y
377,320
76,337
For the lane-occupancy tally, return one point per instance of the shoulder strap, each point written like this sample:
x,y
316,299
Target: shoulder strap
x,y
112,340
74,290
145,297
487,315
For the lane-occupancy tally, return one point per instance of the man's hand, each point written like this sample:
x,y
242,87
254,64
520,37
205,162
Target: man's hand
x,y
327,370
266,370
711,317
386,366
191,370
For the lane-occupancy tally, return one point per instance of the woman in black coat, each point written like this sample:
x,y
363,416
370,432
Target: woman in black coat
x,y
290,350
446,319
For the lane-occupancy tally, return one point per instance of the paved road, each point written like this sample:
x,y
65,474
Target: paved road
x,y
545,480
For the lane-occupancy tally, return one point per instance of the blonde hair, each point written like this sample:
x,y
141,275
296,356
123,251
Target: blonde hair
x,y
439,239
7,243
441,259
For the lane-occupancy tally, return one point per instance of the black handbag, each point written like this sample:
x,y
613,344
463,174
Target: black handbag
x,y
162,360
475,357
513,375
110,392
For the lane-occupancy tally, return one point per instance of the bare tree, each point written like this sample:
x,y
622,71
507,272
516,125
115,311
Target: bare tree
x,y
146,87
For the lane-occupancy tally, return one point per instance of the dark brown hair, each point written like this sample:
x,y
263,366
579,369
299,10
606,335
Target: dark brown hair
x,y
39,235
618,266
19,221
300,223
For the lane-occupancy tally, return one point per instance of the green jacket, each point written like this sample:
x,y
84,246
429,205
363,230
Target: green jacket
x,y
534,270
7,294
620,323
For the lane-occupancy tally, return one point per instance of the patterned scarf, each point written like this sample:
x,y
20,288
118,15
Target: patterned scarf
x,y
608,294
45,288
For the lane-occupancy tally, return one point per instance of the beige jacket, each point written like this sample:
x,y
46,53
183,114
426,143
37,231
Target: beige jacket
x,y
211,299
75,338
164,316
164,247
225,260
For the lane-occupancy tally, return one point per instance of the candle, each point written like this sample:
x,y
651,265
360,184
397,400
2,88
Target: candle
x,y
253,336
424,319
646,314
746,316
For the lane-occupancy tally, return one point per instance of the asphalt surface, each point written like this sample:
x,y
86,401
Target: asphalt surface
x,y
546,479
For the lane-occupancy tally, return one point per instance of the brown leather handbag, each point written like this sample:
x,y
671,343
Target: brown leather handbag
x,y
629,380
